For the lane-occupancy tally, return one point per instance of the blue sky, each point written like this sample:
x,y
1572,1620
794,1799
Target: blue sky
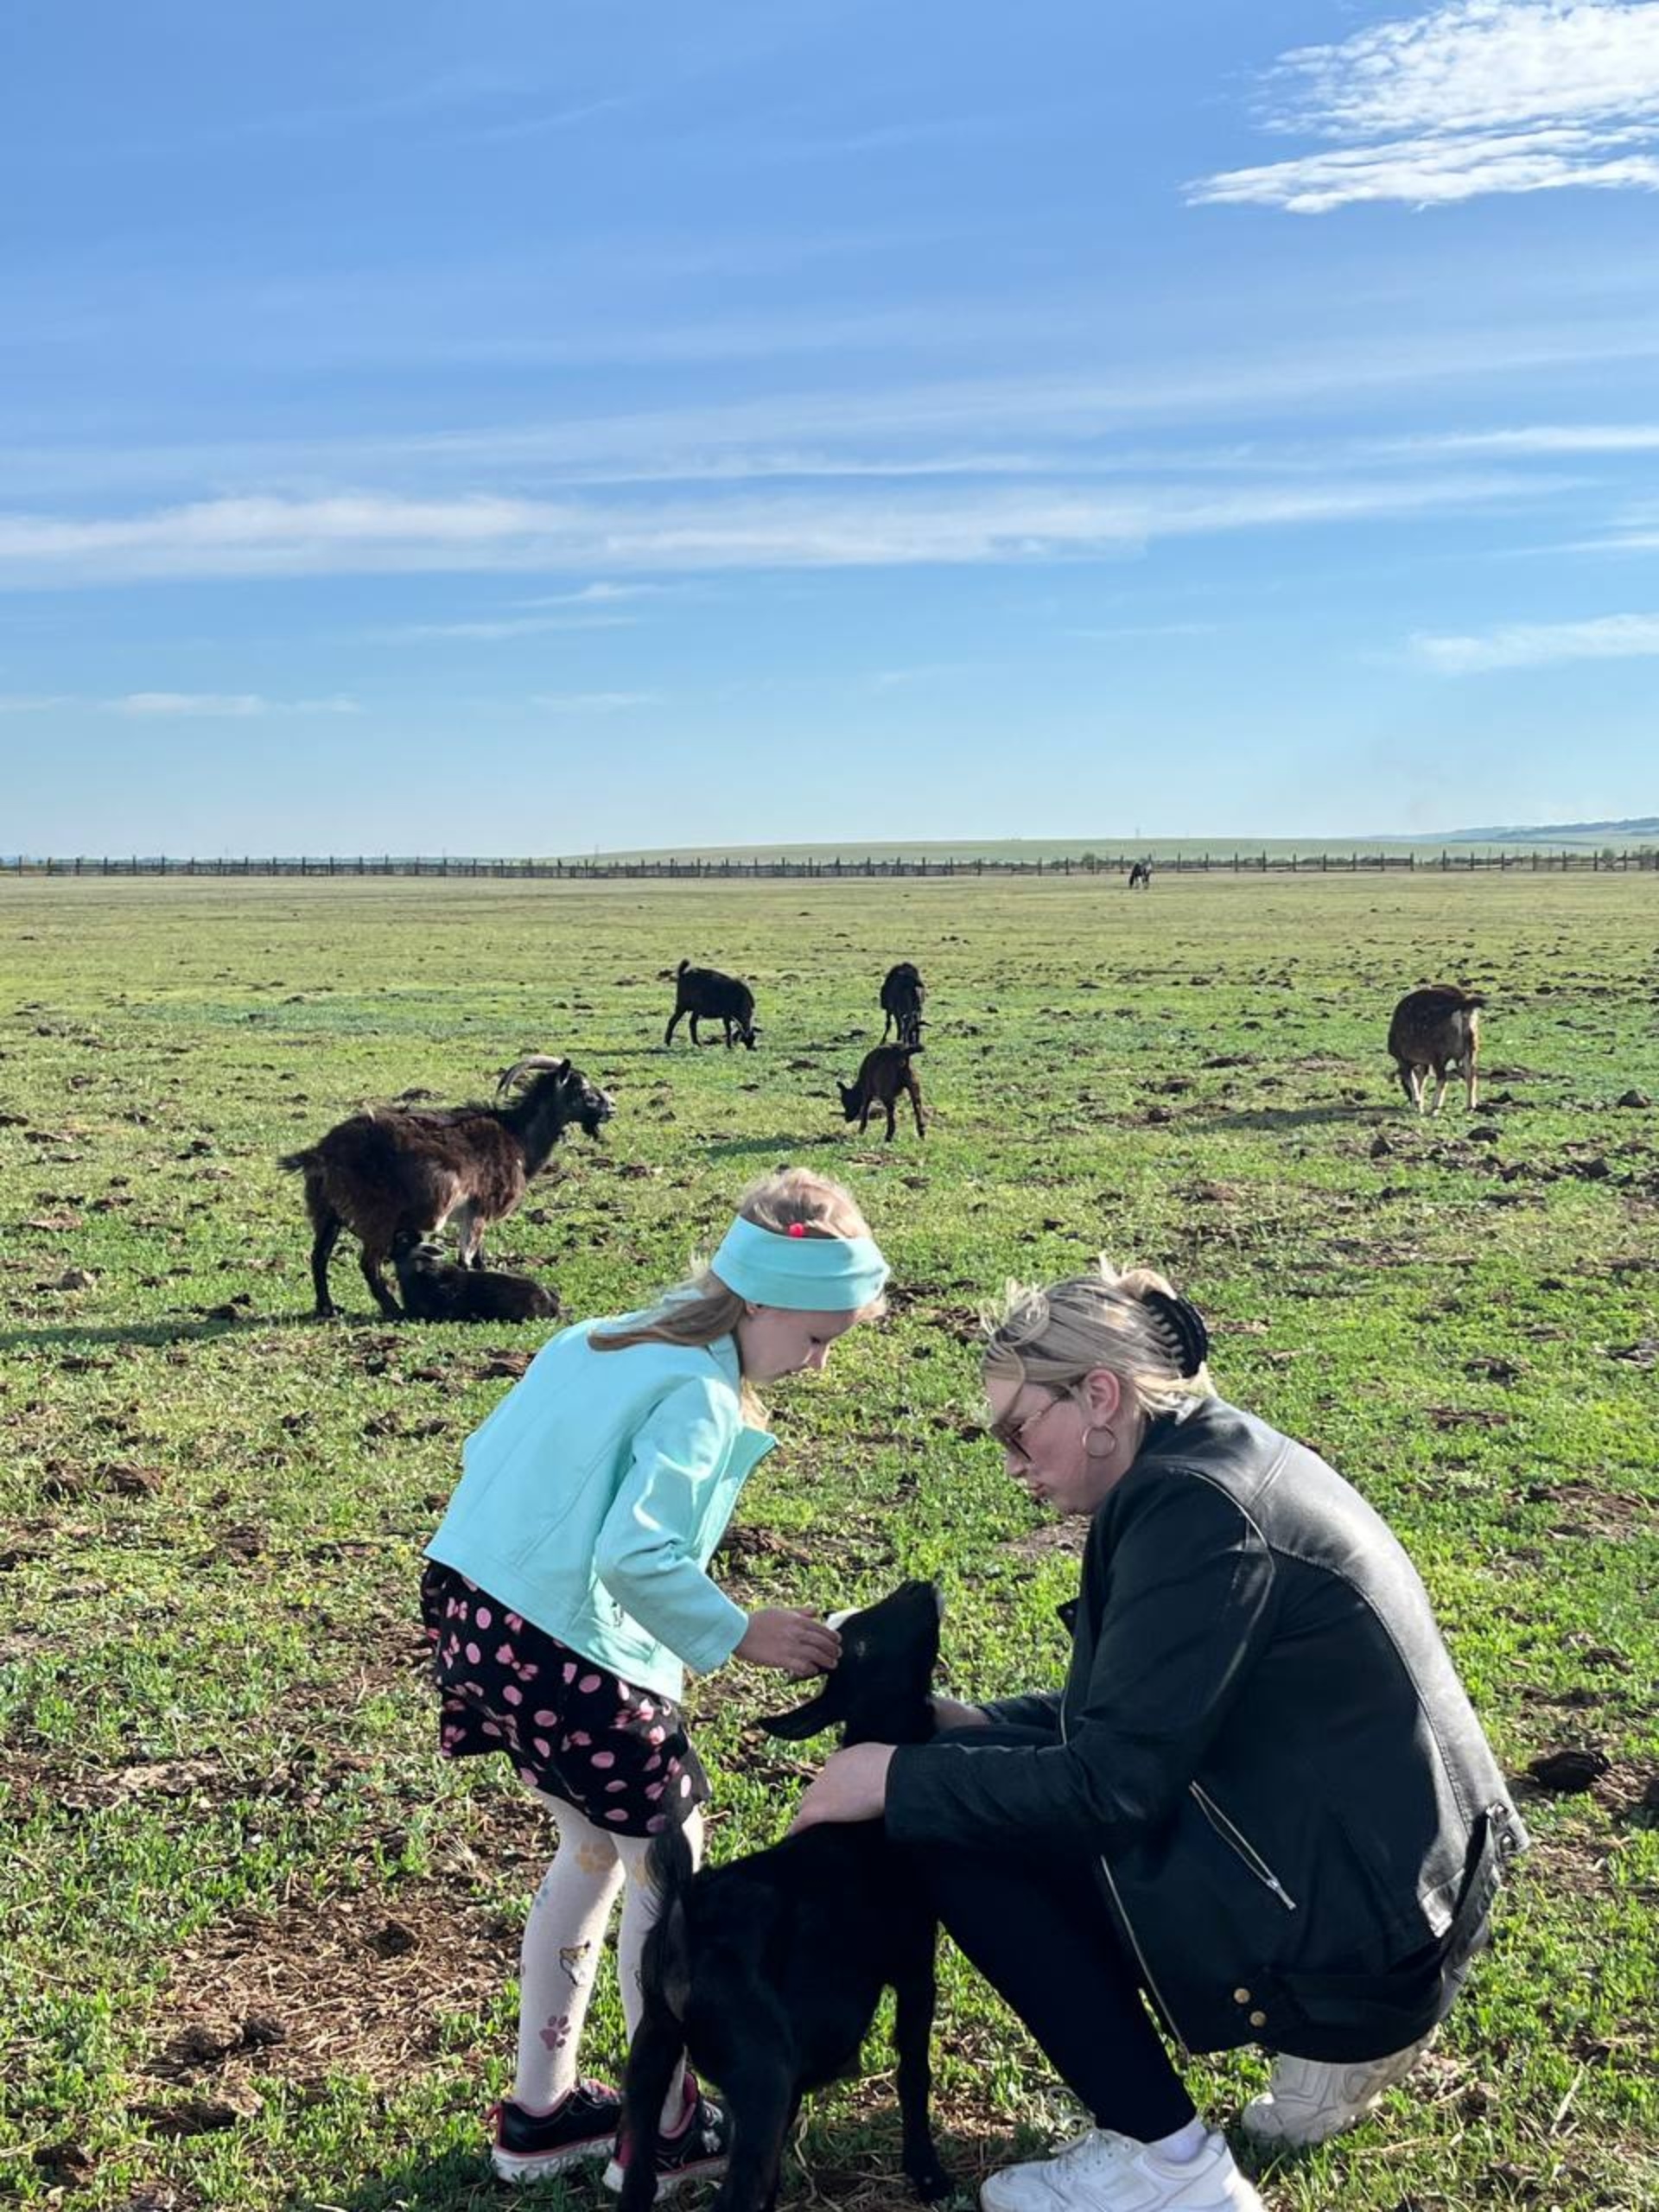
x,y
542,427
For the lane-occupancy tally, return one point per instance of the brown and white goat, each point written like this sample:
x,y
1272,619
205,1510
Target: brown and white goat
x,y
1435,1029
397,1174
903,995
885,1077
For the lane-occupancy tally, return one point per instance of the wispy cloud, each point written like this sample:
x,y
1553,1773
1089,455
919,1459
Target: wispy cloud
x,y
366,533
1473,97
175,706
494,630
1539,645
595,702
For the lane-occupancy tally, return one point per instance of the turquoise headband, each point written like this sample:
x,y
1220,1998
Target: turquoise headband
x,y
812,1274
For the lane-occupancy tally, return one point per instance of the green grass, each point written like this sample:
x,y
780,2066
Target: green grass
x,y
261,1943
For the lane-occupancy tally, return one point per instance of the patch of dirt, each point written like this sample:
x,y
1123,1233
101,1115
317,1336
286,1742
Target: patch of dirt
x,y
1053,1539
1587,1510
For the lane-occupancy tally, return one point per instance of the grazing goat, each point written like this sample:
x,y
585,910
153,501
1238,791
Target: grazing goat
x,y
884,1077
767,1971
400,1173
436,1289
1141,876
707,996
1437,1028
903,995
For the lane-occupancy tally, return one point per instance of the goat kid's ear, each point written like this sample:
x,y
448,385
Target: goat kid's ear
x,y
809,1720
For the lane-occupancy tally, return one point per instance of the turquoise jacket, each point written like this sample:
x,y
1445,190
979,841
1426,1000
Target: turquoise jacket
x,y
593,1498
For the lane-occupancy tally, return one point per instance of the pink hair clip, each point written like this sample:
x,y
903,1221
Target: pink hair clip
x,y
798,1229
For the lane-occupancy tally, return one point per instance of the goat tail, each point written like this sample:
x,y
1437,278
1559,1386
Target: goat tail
x,y
303,1161
683,965
668,1869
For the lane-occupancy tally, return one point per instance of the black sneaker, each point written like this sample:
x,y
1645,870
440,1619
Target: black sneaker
x,y
524,2146
695,2150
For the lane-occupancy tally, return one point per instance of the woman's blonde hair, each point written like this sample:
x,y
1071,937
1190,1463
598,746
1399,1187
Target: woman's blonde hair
x,y
1057,1336
702,1309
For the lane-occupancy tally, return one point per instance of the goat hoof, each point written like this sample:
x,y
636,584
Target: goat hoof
x,y
931,2184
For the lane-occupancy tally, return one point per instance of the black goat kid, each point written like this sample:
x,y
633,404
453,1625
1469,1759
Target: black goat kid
x,y
767,1971
708,995
903,996
884,1077
436,1289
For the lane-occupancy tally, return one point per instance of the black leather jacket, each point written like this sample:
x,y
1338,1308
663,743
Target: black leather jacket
x,y
1298,1823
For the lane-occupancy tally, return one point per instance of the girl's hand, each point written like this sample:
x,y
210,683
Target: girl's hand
x,y
790,1639
852,1787
950,1712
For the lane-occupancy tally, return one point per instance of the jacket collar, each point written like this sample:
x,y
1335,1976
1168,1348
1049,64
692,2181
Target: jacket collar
x,y
723,1353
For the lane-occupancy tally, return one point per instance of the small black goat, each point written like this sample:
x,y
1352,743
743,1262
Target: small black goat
x,y
885,1077
1141,876
767,1971
707,996
436,1289
399,1172
903,995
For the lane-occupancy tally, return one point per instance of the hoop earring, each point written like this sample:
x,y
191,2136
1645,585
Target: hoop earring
x,y
1099,1429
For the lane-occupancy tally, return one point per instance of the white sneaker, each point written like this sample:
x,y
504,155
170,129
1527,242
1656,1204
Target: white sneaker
x,y
1103,2172
1308,2101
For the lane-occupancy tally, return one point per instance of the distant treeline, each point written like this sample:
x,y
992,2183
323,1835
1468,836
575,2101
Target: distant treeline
x,y
705,869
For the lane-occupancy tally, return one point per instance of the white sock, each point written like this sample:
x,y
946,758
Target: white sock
x,y
638,1917
1183,2145
564,1937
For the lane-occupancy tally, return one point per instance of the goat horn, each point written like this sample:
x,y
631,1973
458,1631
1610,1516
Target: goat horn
x,y
510,1076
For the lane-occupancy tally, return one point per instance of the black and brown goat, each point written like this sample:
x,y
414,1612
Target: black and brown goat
x,y
708,995
885,1077
1141,876
767,1973
397,1174
1433,1030
436,1289
903,995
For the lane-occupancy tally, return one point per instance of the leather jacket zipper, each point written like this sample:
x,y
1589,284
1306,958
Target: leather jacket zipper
x,y
1239,1843
1147,1976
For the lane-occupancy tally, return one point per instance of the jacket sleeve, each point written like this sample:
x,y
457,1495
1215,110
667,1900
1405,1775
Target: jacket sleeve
x,y
1035,1709
644,1556
1190,1601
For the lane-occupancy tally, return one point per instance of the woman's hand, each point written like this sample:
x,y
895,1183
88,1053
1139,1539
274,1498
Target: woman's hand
x,y
950,1712
852,1787
790,1639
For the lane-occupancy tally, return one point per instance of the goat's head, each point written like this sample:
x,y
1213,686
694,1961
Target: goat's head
x,y
565,1088
852,1100
880,1692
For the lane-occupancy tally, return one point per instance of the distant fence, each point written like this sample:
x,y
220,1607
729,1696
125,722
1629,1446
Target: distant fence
x,y
1237,862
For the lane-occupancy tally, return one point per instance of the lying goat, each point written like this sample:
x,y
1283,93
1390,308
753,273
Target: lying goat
x,y
707,996
436,1289
1435,1029
399,1172
885,1077
767,1971
903,995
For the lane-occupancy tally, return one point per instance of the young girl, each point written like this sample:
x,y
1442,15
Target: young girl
x,y
567,1590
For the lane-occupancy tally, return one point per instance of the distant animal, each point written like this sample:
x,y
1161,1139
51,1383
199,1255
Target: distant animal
x,y
885,1077
903,995
400,1172
434,1288
708,995
1141,876
767,1971
1436,1029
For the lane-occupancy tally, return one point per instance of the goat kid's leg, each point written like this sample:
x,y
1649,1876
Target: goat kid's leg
x,y
327,1236
370,1265
759,2097
674,1021
916,1108
659,2046
1472,1083
912,2032
1439,1091
892,1104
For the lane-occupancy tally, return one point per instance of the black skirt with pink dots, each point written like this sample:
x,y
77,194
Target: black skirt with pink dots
x,y
620,1755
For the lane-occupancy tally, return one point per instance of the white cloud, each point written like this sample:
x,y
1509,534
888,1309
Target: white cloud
x,y
220,706
595,702
1539,645
1474,96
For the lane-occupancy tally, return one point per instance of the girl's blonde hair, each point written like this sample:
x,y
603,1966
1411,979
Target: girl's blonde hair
x,y
1059,1335
702,1309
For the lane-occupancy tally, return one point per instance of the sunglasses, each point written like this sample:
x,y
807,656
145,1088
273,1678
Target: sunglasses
x,y
1011,1435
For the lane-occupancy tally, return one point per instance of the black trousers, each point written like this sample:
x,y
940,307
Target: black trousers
x,y
1039,1931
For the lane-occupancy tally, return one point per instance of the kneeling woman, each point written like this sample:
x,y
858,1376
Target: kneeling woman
x,y
1262,1797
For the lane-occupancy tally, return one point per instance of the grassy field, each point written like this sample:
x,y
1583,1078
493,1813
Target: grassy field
x,y
260,1943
